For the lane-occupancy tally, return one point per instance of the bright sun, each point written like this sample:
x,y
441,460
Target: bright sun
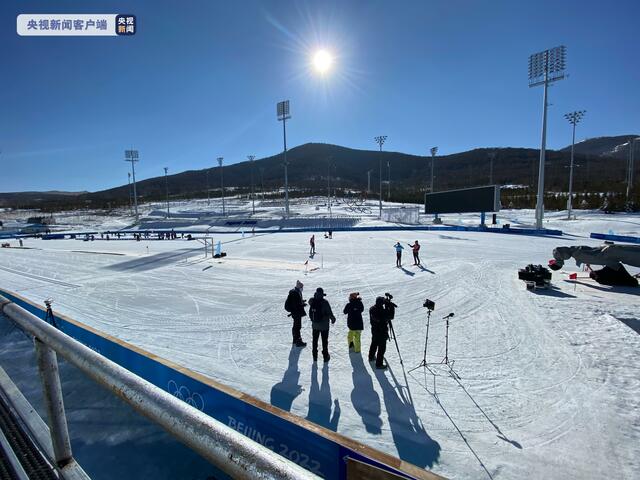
x,y
322,61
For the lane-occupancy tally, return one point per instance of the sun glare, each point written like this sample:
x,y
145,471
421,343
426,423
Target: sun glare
x,y
322,61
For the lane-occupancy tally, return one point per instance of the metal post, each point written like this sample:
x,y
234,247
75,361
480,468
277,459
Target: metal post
x,y
286,164
368,181
54,403
570,200
543,144
224,213
132,156
492,157
253,199
434,150
329,185
130,192
166,185
262,181
631,168
388,180
380,141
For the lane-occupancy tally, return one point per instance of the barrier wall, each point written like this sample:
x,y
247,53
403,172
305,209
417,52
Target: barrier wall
x,y
307,444
615,238
446,228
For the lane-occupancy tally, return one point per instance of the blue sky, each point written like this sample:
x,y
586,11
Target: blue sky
x,y
201,79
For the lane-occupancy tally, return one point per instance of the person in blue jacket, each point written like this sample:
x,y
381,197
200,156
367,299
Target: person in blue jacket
x,y
399,249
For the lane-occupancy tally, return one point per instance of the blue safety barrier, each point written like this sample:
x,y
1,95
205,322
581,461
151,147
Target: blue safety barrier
x,y
615,238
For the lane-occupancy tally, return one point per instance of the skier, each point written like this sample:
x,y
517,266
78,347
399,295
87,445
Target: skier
x,y
312,245
320,313
379,316
295,306
416,249
399,249
354,310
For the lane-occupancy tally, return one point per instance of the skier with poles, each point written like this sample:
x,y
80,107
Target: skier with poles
x,y
399,249
380,316
295,306
320,313
416,249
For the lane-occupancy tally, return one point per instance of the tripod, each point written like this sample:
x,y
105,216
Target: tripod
x,y
49,318
423,363
393,335
445,360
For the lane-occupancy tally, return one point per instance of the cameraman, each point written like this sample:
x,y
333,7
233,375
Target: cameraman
x,y
380,315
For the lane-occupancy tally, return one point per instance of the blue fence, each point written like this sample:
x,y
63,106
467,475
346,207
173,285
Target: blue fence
x,y
615,238
320,452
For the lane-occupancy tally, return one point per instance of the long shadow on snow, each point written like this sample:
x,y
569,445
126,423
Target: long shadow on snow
x,y
409,435
609,288
320,400
285,392
151,262
363,396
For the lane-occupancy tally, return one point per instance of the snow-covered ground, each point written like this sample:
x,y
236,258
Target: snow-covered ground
x,y
548,383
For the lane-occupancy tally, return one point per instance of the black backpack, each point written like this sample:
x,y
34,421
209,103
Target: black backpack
x,y
315,310
288,304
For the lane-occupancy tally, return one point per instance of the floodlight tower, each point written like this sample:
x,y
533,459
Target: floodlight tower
x,y
545,68
132,156
632,143
369,180
329,185
253,199
130,192
434,151
166,187
388,180
224,213
380,139
573,118
283,116
207,175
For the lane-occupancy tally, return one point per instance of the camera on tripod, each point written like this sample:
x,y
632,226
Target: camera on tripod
x,y
388,298
431,305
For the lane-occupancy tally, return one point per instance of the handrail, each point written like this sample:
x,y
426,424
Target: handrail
x,y
227,449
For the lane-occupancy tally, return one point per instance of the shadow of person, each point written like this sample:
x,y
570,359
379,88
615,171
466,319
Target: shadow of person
x,y
407,272
285,392
425,269
363,397
320,400
409,435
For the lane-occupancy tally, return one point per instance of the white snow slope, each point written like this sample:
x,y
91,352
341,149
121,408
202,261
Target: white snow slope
x,y
548,380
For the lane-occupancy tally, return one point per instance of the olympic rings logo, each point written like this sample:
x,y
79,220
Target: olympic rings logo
x,y
183,393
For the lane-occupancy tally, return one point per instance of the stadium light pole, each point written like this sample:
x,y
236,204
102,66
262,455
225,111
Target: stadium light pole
x,y
262,181
369,181
630,169
329,185
224,213
545,68
434,151
283,116
388,180
130,194
380,139
166,187
133,156
253,199
573,118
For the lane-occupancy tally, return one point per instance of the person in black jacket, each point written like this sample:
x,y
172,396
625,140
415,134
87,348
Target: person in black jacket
x,y
354,310
379,315
295,306
320,313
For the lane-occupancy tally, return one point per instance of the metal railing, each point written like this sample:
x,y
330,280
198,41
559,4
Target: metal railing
x,y
227,449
